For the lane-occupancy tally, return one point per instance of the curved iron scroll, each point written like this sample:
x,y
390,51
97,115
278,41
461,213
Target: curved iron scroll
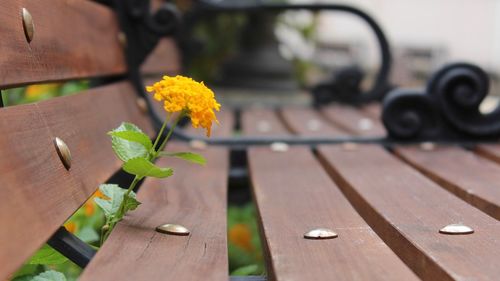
x,y
447,109
381,84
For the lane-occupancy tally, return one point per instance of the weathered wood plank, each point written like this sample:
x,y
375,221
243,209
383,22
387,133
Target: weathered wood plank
x,y
194,197
39,193
490,151
472,178
72,39
164,60
354,121
310,123
407,210
294,194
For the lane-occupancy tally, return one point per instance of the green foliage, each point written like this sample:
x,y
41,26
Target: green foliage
x,y
50,275
115,196
142,167
47,255
188,156
252,269
133,136
127,149
245,257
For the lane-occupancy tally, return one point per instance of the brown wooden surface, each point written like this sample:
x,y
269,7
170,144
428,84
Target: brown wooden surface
x,y
194,197
38,193
309,122
72,39
490,151
469,176
354,121
407,210
294,194
164,60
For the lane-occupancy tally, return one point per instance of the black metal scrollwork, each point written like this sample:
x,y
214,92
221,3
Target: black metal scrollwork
x,y
448,109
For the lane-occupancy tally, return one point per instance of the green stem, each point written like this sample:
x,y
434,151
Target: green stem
x,y
162,146
152,155
161,131
121,211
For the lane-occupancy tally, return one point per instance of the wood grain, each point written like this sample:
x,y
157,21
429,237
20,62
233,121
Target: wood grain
x,y
490,151
472,178
407,210
163,60
73,39
194,197
354,121
38,193
294,194
309,122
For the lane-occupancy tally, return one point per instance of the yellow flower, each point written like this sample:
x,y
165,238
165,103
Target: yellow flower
x,y
35,91
71,227
183,94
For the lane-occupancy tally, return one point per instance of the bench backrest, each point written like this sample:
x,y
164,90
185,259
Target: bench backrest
x,y
75,39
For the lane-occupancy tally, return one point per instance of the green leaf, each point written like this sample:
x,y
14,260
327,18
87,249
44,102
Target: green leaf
x,y
88,234
188,156
125,149
115,195
47,255
50,275
144,168
251,269
138,137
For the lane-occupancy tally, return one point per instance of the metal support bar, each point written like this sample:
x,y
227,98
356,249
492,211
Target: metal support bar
x,y
72,247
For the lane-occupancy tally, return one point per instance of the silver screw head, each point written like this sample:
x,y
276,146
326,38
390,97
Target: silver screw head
x,y
456,229
263,126
365,124
198,144
173,229
142,104
349,146
279,147
427,146
63,152
28,25
320,233
313,125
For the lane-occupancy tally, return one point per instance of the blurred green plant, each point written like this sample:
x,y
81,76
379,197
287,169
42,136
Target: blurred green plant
x,y
39,92
244,245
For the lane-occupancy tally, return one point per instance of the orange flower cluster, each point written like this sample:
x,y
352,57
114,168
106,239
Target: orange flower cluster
x,y
183,94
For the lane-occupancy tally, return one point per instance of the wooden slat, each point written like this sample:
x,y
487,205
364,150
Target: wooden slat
x,y
310,123
294,194
490,151
374,110
472,178
407,210
38,193
354,121
72,39
164,60
194,197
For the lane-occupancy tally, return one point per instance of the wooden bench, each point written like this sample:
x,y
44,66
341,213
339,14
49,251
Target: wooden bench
x,y
387,204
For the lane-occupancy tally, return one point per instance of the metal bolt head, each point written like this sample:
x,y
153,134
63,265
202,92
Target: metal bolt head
x,y
263,126
313,125
427,146
63,152
456,229
320,233
122,38
173,229
365,124
142,104
349,146
198,144
279,147
28,25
